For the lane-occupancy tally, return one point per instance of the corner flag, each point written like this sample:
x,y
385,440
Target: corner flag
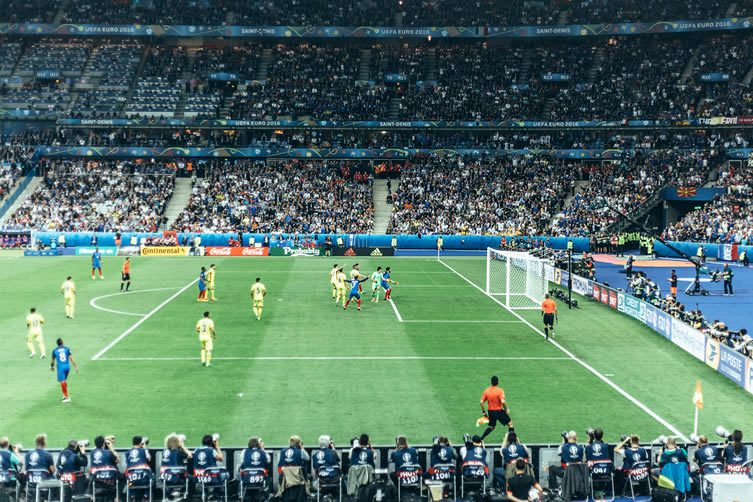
x,y
698,396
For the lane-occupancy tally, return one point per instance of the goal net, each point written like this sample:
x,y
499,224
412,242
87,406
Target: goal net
x,y
517,278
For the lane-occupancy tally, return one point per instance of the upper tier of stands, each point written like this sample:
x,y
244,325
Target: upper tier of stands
x,y
599,79
368,12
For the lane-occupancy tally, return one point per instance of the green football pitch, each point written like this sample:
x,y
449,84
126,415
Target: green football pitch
x,y
415,367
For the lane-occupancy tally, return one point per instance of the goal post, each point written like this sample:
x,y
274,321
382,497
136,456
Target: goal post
x,y
517,278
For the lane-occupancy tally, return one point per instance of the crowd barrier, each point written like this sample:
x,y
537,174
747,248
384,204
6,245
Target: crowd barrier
x,y
721,358
404,241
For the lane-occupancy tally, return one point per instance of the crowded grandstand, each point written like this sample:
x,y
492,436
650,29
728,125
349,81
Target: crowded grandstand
x,y
339,223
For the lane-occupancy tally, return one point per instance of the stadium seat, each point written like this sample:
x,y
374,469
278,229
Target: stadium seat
x,y
212,480
602,473
635,478
329,481
253,481
706,469
139,482
105,483
409,477
174,483
445,474
44,489
10,487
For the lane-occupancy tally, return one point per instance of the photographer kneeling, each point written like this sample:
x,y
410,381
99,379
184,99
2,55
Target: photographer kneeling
x,y
70,467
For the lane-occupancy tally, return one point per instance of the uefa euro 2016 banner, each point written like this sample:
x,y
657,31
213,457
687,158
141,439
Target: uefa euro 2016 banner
x,y
309,153
377,124
184,31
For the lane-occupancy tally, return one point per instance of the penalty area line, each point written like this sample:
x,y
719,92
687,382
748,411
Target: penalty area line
x,y
397,312
345,358
142,320
584,364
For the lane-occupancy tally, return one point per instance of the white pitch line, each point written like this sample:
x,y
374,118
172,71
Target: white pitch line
x,y
93,301
460,321
141,321
344,358
587,366
397,312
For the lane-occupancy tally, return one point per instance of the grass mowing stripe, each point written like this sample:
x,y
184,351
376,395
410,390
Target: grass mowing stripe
x,y
141,321
587,366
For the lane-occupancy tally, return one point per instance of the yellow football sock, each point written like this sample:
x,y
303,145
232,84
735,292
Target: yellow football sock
x,y
260,311
203,356
31,347
209,357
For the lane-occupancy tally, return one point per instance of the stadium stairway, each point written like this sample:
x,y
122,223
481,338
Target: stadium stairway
x,y
25,192
179,200
382,208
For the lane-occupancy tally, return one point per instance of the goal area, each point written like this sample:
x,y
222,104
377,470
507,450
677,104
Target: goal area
x,y
516,278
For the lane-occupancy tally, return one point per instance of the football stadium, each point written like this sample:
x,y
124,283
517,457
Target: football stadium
x,y
376,250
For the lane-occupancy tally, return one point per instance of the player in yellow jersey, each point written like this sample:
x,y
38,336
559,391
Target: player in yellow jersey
x,y
355,273
34,322
258,292
68,289
210,281
341,286
333,281
205,329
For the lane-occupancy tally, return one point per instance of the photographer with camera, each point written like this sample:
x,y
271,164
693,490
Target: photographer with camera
x,y
103,456
403,457
175,453
735,454
208,454
10,461
596,449
571,453
138,456
362,467
254,456
442,453
39,459
632,453
325,460
674,465
70,467
510,451
361,452
473,458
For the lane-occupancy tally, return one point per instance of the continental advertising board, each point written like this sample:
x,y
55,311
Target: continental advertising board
x,y
165,250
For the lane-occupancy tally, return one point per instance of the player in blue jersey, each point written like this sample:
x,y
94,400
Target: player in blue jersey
x,y
97,264
355,285
63,358
387,283
203,285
